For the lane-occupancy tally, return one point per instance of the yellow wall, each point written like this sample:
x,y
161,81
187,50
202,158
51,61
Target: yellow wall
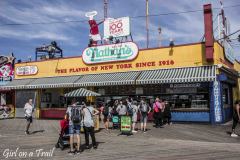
x,y
183,56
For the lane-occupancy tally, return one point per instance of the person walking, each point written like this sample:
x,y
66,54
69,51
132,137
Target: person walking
x,y
236,118
28,111
88,122
75,116
144,109
134,116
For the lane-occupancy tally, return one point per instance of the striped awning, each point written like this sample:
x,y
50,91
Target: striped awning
x,y
122,78
178,75
53,82
81,92
18,84
48,82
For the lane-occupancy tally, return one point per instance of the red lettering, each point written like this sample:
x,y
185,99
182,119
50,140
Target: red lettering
x,y
61,70
72,70
167,62
94,68
109,67
145,64
123,66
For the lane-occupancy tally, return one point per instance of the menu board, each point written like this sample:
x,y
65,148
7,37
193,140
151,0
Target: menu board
x,y
126,124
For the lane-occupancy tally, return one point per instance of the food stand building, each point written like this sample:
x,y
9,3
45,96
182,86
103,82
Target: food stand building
x,y
196,90
199,81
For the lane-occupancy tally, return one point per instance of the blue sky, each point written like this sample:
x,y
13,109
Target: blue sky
x,y
73,37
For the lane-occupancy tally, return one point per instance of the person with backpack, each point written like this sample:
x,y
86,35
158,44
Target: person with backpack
x,y
144,109
88,124
236,118
129,107
75,117
114,109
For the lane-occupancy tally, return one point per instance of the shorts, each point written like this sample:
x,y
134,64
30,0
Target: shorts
x,y
29,119
75,128
143,118
134,118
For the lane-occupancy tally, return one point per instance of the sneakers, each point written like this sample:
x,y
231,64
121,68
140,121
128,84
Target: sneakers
x,y
234,135
71,152
94,147
133,131
87,147
78,152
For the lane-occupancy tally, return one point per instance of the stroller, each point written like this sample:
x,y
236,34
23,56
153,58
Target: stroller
x,y
63,140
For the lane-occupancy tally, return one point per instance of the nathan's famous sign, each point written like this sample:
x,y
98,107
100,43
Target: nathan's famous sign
x,y
113,49
110,53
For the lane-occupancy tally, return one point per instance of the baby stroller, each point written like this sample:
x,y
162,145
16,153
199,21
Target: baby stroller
x,y
63,140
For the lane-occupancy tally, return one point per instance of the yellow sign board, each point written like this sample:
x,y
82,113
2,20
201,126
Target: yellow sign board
x,y
148,59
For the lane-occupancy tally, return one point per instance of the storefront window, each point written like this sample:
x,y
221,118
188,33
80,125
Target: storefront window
x,y
226,95
182,97
46,97
192,96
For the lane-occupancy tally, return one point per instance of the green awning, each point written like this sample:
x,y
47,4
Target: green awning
x,y
178,75
81,92
108,79
40,83
18,83
53,82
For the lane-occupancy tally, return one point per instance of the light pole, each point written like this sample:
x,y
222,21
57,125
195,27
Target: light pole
x,y
160,38
147,30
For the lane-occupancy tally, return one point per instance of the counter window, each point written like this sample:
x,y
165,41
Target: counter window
x,y
46,97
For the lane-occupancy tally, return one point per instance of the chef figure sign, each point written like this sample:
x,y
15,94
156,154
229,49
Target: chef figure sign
x,y
94,31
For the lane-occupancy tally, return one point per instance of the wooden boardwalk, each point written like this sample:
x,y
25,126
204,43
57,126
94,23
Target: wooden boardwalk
x,y
178,141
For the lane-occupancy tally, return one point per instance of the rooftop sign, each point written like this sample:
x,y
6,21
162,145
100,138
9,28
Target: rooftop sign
x,y
116,27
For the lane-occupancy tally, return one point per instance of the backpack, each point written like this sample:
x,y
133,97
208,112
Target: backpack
x,y
155,107
76,115
129,109
144,108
